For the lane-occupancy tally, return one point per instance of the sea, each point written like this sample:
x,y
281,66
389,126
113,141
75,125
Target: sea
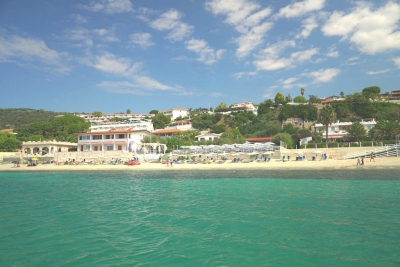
x,y
200,218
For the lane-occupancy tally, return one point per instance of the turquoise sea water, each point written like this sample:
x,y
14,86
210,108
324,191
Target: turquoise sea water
x,y
200,218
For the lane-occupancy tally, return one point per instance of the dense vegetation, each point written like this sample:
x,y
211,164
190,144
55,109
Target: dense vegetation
x,y
22,117
235,126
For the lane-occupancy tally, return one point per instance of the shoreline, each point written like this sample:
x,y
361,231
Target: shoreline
x,y
329,164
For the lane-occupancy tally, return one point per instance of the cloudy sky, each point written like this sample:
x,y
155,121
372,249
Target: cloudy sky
x,y
114,55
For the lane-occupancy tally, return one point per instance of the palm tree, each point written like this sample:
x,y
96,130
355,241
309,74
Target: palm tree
x,y
302,91
356,132
327,115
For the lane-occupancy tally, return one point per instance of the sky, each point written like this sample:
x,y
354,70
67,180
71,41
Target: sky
x,y
143,55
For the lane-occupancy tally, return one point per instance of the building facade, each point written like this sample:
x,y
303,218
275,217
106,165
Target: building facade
x,y
338,130
175,113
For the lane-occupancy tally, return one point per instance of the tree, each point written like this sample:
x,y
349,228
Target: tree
x,y
279,98
128,111
288,99
160,121
221,107
327,115
356,132
97,114
8,142
302,91
285,138
153,112
300,99
386,130
314,99
371,92
342,94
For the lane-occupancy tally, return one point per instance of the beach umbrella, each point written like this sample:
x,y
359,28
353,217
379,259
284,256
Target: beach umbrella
x,y
268,153
34,159
299,152
317,151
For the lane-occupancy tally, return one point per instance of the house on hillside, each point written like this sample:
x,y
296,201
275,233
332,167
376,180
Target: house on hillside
x,y
208,137
175,113
338,130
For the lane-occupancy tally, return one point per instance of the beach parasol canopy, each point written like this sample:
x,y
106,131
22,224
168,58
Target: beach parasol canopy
x,y
318,151
34,159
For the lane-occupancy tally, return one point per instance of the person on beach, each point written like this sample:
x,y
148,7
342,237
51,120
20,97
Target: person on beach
x,y
372,157
362,160
358,161
170,161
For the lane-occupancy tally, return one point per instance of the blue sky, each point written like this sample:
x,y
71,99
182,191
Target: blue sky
x,y
114,55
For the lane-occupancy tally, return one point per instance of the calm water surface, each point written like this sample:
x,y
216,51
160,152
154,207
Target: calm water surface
x,y
200,218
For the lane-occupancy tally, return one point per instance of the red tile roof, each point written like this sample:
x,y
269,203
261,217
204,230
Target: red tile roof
x,y
259,139
171,131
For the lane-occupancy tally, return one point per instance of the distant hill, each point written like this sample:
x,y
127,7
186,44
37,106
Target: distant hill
x,y
22,117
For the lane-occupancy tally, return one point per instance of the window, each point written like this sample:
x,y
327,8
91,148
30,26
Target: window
x,y
108,148
109,136
369,127
97,137
332,128
120,136
84,137
119,148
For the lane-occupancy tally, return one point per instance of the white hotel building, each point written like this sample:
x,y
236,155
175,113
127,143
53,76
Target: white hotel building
x,y
338,130
114,136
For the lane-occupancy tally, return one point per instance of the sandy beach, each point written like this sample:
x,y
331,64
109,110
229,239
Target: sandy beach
x,y
381,163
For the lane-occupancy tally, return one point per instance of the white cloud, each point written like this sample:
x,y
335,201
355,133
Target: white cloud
x,y
109,6
269,58
397,61
170,21
206,53
32,51
288,83
269,92
142,39
79,19
246,17
332,52
82,36
239,75
106,35
323,75
308,26
371,31
139,85
377,72
300,8
110,63
250,40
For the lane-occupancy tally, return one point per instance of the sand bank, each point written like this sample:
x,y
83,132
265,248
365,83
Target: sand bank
x,y
383,163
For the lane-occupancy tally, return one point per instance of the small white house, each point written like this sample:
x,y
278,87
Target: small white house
x,y
208,137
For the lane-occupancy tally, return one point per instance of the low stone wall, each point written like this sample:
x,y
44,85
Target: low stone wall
x,y
8,157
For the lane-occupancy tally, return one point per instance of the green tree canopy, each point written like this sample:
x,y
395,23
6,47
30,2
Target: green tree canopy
x,y
221,107
160,121
285,138
153,112
300,99
279,98
97,114
371,92
8,142
356,132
